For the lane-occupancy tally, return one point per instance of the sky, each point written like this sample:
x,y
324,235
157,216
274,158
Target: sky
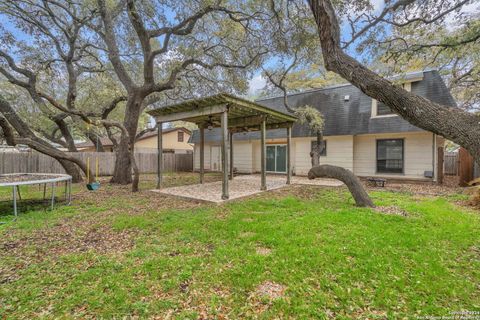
x,y
258,82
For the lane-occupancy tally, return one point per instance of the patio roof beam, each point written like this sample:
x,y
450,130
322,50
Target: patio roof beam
x,y
260,108
246,121
185,115
259,127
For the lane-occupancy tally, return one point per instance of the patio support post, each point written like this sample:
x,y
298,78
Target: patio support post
x,y
159,154
202,154
224,124
52,205
263,159
231,155
14,190
289,154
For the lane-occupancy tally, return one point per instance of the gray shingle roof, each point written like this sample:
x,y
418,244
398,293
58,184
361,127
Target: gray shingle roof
x,y
342,117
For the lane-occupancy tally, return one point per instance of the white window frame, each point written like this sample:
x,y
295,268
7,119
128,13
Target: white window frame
x,y
407,86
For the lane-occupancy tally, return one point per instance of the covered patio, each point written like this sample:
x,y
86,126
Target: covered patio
x,y
242,186
232,115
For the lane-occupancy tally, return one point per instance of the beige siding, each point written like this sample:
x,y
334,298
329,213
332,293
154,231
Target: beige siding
x,y
196,157
357,153
247,154
339,153
242,156
256,155
169,141
418,154
215,158
302,161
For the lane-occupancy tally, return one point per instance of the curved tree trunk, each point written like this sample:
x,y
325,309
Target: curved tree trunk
x,y
361,197
66,134
95,140
122,173
315,154
9,118
72,170
123,163
136,173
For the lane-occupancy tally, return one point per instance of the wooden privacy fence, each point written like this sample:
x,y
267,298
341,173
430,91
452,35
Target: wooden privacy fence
x,y
451,163
465,167
461,164
34,162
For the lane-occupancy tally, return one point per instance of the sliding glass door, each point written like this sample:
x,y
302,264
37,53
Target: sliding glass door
x,y
277,158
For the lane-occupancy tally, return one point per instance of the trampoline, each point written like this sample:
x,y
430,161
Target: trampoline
x,y
15,180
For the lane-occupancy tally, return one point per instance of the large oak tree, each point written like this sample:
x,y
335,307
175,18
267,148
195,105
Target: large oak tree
x,y
172,42
43,58
452,123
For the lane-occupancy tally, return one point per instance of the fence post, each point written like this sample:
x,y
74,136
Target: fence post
x,y
465,167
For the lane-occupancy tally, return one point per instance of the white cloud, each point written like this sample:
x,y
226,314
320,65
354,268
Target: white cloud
x,y
255,84
378,5
452,21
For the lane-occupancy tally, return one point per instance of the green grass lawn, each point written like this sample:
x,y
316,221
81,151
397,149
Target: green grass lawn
x,y
299,252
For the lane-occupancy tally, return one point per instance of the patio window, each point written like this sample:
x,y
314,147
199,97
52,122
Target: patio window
x,y
383,109
379,109
390,156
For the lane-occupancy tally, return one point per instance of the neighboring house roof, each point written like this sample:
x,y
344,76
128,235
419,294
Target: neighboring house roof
x,y
106,142
343,117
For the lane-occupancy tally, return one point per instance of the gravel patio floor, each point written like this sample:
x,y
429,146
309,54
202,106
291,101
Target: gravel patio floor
x,y
240,186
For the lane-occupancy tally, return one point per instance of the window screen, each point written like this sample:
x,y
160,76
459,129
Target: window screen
x,y
390,156
383,109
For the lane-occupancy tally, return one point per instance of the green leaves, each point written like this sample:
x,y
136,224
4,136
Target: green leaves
x,y
310,116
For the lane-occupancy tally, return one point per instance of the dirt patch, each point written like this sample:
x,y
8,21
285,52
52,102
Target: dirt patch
x,y
303,192
270,290
184,286
58,241
426,189
369,313
263,251
391,210
89,229
8,274
65,239
247,234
